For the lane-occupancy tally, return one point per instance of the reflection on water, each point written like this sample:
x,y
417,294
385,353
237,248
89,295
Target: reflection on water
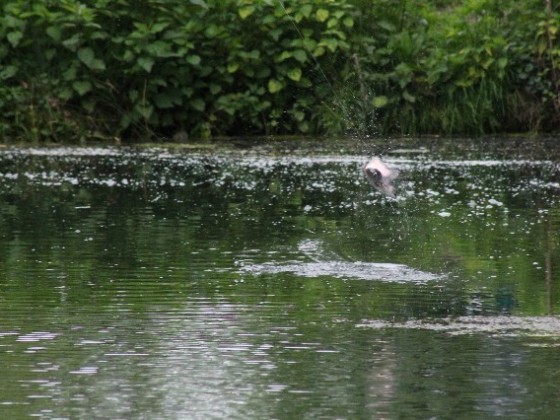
x,y
274,282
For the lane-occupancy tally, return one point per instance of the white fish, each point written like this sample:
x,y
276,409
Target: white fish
x,y
381,176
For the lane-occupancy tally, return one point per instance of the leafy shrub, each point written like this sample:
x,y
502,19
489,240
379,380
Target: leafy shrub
x,y
137,67
73,70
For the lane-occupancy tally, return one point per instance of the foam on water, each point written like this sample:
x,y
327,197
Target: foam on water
x,y
500,325
386,272
329,264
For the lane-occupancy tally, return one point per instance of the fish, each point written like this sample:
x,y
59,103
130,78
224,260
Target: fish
x,y
381,176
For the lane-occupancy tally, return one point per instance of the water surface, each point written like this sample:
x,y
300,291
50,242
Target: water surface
x,y
274,282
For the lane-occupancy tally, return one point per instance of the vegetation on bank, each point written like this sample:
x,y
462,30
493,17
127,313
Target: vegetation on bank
x,y
77,70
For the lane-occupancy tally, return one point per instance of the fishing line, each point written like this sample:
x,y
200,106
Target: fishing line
x,y
338,101
293,22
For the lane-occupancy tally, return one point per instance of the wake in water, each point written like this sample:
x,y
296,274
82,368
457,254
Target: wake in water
x,y
540,326
325,264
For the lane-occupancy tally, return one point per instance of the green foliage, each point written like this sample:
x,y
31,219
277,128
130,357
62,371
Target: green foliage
x,y
72,70
134,68
474,67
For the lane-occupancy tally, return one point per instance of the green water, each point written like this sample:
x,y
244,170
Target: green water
x,y
274,282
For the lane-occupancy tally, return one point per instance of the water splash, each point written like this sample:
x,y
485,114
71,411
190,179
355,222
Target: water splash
x,y
329,264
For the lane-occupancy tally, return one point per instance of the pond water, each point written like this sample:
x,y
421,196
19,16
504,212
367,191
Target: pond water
x,y
272,281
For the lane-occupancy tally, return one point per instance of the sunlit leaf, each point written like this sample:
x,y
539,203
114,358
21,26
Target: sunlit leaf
x,y
330,43
379,101
332,23
295,74
246,11
306,10
319,51
348,22
322,15
232,67
283,56
274,86
408,97
158,27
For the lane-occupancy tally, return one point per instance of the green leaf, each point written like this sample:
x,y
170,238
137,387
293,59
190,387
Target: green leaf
x,y
144,110
303,126
306,10
8,72
14,37
274,86
160,49
158,27
298,115
87,56
387,26
330,43
263,73
200,3
82,87
50,53
146,63
322,15
73,42
305,82
193,59
65,94
54,32
295,74
133,95
408,97
164,101
379,101
246,11
198,104
319,51
215,89
300,55
275,33
284,56
232,67
348,22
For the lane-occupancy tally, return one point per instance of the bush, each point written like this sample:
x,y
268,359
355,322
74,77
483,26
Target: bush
x,y
131,68
151,69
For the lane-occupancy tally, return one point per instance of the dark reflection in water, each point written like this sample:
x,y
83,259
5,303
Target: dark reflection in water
x,y
256,283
